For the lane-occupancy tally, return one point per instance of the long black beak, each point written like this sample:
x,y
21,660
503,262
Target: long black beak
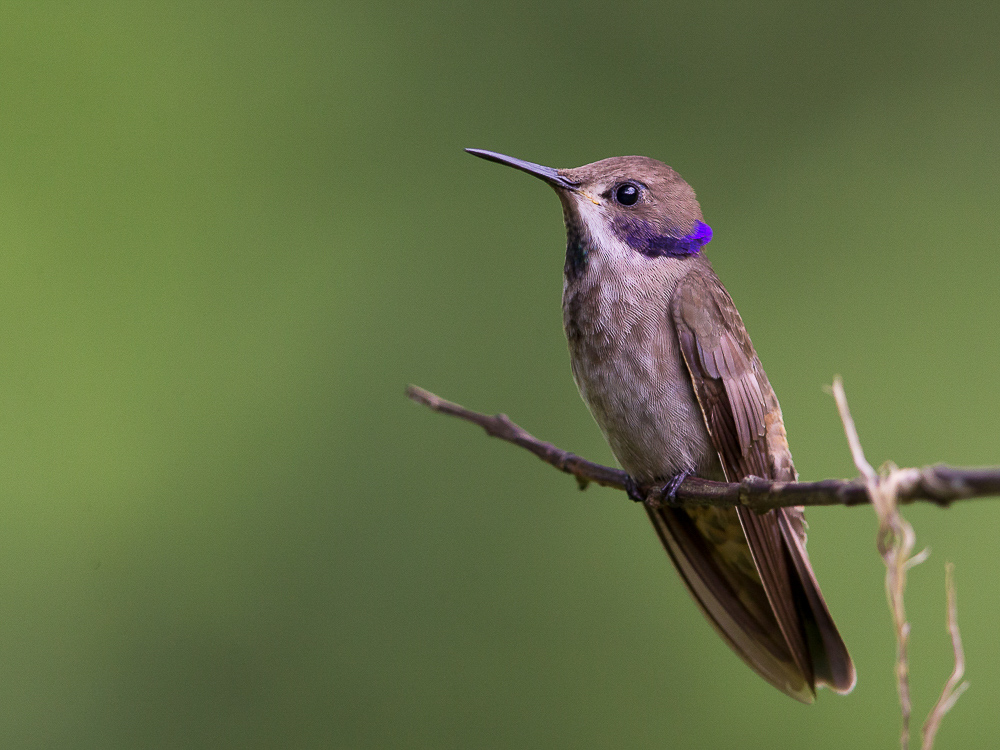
x,y
548,174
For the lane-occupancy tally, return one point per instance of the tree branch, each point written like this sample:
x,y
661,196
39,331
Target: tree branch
x,y
937,484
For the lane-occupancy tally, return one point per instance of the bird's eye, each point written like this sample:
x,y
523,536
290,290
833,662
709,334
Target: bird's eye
x,y
627,194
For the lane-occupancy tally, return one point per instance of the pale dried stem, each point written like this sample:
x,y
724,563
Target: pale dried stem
x,y
895,543
954,687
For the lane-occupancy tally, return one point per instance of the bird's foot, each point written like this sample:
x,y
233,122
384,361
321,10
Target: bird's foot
x,y
665,495
669,491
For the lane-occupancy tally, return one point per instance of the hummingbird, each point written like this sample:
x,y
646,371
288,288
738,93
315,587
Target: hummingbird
x,y
664,363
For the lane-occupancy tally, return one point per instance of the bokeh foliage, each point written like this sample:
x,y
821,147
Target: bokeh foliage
x,y
232,232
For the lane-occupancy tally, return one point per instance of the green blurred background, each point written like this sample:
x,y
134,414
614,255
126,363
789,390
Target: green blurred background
x,y
232,232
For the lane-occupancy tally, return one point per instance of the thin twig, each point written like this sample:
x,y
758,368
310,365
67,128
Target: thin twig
x,y
953,688
895,543
936,484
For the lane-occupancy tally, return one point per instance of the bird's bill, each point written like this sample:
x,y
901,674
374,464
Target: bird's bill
x,y
548,174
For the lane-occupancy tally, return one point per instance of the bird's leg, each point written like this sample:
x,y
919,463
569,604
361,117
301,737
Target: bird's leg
x,y
667,494
655,499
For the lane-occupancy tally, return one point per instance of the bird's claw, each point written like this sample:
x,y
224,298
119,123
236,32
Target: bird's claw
x,y
663,495
669,491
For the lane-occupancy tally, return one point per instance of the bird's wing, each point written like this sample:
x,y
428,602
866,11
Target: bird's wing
x,y
744,422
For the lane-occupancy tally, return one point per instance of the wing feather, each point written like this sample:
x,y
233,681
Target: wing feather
x,y
744,422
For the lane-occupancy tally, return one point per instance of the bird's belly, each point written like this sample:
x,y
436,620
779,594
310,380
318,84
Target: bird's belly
x,y
639,391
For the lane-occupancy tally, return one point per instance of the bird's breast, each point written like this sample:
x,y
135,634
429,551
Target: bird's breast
x,y
627,364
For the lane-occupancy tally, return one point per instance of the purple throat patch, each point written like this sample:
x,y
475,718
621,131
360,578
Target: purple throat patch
x,y
647,239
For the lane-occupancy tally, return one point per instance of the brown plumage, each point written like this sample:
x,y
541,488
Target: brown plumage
x,y
664,363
